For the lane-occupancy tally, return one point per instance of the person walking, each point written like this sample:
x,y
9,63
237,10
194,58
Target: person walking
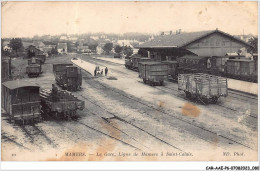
x,y
95,72
106,70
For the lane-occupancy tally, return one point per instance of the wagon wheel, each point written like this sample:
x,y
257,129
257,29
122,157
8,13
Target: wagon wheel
x,y
214,100
188,95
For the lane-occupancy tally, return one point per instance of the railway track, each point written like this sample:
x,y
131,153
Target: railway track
x,y
123,120
206,131
34,134
14,142
235,94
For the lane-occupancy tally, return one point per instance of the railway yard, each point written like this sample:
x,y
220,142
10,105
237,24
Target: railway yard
x,y
124,117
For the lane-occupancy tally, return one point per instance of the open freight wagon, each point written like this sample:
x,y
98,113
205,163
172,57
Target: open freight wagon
x,y
68,76
61,104
153,73
204,87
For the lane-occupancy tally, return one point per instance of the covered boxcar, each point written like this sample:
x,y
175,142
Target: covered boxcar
x,y
242,69
68,76
204,87
60,104
34,68
153,73
218,65
172,68
21,101
194,64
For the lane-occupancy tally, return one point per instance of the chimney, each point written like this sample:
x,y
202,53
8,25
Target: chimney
x,y
170,32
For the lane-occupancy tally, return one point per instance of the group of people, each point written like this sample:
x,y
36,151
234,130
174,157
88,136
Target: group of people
x,y
97,69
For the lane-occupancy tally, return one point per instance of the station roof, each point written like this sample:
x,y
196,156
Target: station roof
x,y
193,57
18,84
182,39
152,63
241,60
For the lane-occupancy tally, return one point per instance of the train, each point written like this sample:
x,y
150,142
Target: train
x,y
67,76
237,67
25,103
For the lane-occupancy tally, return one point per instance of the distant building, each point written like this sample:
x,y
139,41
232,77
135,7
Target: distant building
x,y
39,45
48,48
204,43
83,49
64,38
32,51
62,48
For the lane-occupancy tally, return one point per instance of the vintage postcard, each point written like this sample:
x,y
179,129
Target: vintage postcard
x,y
129,81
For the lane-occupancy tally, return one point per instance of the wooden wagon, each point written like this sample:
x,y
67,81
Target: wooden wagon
x,y
204,87
153,73
21,101
68,76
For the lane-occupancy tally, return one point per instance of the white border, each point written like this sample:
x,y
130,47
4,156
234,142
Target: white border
x,y
125,165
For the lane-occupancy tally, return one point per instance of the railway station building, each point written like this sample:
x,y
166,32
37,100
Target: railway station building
x,y
203,43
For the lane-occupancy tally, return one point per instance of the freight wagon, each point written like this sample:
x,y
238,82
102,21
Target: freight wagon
x,y
204,87
133,62
242,69
172,68
61,104
68,76
21,101
34,68
153,73
218,65
42,57
194,64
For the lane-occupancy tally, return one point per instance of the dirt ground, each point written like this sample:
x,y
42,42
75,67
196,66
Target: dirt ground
x,y
124,119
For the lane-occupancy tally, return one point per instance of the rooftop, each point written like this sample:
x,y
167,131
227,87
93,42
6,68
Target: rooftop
x,y
18,84
182,39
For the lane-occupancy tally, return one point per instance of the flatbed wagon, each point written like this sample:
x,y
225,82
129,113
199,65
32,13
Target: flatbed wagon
x,y
153,73
204,87
61,104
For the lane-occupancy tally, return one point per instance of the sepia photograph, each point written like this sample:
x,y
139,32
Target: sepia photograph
x,y
129,81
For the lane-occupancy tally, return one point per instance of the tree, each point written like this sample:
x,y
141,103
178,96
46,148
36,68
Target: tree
x,y
118,48
16,44
54,51
93,46
128,51
108,47
254,45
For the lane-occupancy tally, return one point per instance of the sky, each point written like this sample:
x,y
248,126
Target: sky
x,y
26,19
